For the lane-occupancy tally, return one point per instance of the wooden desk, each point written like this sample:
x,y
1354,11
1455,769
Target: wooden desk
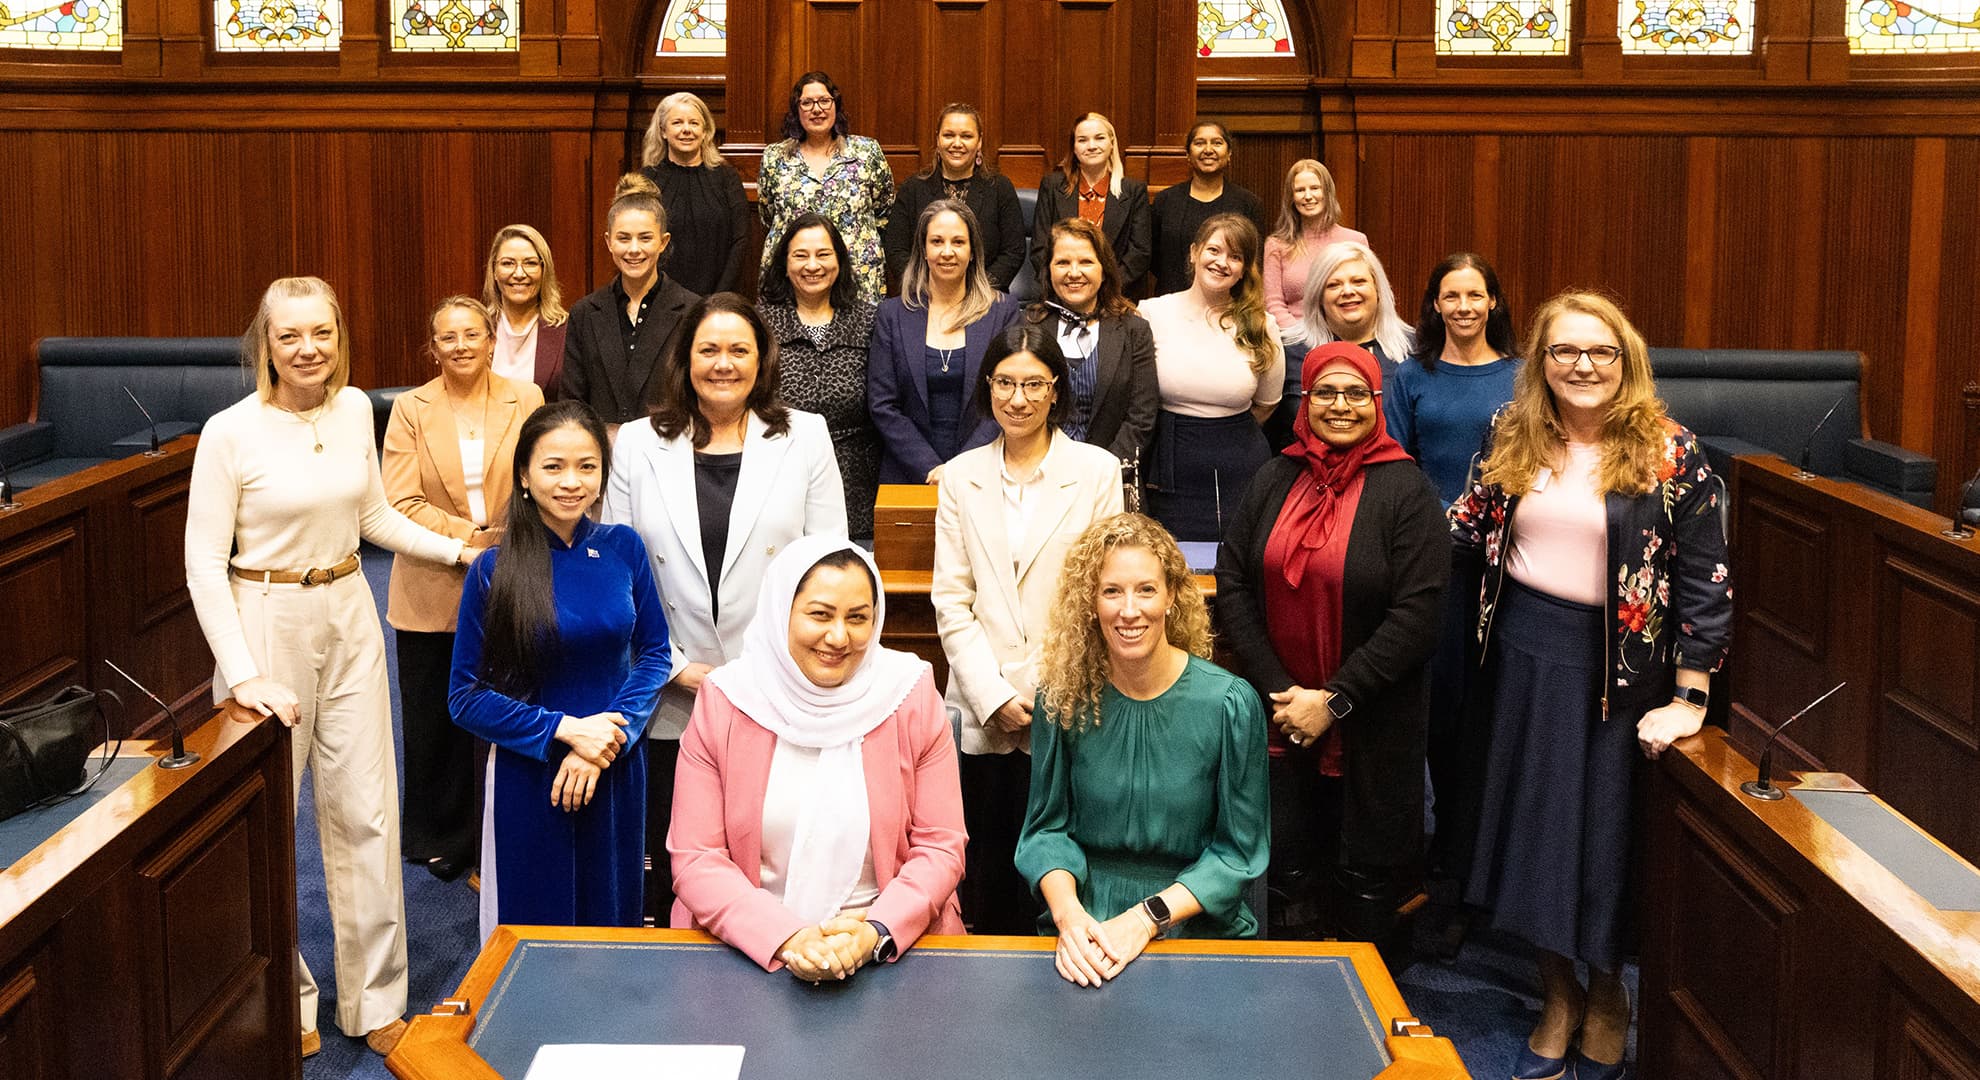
x,y
1775,948
154,935
889,1012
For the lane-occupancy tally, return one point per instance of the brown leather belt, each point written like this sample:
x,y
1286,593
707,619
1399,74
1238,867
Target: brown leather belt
x,y
300,577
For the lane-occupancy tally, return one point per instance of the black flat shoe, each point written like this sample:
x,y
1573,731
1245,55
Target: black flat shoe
x,y
445,869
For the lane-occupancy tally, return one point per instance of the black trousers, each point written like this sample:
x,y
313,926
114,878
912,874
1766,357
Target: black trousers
x,y
995,898
441,818
1314,893
661,757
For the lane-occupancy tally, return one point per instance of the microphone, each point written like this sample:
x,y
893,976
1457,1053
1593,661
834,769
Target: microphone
x,y
181,757
1763,788
1808,448
1964,518
153,452
6,487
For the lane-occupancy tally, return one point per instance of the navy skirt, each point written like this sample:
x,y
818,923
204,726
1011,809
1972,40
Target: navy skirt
x,y
1198,470
1551,855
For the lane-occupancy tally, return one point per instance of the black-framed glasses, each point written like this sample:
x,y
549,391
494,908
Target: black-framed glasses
x,y
1570,355
1327,395
814,104
1034,389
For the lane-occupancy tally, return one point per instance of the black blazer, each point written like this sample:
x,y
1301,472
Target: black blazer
x,y
998,214
599,371
1125,395
1398,561
1127,221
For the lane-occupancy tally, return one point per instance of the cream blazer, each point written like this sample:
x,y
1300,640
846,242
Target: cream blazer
x,y
421,467
789,487
992,603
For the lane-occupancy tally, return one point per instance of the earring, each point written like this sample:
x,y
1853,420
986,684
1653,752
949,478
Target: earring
x,y
525,494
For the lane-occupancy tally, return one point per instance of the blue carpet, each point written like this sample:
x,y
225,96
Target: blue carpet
x,y
1485,1001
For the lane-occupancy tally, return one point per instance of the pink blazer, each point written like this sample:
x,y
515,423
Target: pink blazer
x,y
914,797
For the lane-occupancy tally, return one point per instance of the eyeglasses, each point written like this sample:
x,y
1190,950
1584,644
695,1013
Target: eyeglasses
x,y
814,104
1326,395
1570,355
1033,388
450,339
510,266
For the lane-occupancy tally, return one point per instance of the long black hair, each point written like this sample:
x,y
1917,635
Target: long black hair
x,y
519,629
775,286
1430,325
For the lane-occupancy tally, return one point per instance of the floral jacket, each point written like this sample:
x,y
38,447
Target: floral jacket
x,y
856,192
1671,604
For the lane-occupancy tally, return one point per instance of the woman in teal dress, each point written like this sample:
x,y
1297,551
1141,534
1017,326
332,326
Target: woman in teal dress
x,y
1148,786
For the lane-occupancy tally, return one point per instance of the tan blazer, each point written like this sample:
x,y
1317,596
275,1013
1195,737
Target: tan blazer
x,y
423,479
992,603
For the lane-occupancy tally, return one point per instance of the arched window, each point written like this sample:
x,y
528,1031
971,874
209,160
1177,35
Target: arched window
x,y
1503,27
1686,27
1899,27
1242,28
77,25
695,27
264,26
444,26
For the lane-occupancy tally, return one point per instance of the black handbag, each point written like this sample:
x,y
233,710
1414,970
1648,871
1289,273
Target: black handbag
x,y
44,749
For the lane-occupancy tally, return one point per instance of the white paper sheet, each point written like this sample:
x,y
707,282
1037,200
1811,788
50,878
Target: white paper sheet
x,y
619,1061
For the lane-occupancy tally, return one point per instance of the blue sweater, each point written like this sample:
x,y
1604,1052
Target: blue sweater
x,y
1440,416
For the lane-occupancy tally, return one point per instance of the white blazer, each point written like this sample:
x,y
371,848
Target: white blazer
x,y
992,603
789,487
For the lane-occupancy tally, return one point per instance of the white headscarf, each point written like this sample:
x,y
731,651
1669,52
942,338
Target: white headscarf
x,y
829,845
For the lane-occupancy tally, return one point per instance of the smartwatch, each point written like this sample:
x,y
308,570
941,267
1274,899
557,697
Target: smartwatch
x,y
1157,910
1691,695
883,949
1339,705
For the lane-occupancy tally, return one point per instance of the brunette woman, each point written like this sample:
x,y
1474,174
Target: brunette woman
x,y
955,169
620,333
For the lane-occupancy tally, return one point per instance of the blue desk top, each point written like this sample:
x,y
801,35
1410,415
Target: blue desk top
x,y
942,1014
25,831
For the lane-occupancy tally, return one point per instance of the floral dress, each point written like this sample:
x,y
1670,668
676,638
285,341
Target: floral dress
x,y
856,191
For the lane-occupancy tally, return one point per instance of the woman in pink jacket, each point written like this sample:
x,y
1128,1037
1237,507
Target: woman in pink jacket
x,y
818,818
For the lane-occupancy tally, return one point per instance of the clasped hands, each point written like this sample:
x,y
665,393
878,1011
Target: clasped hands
x,y
1302,714
1091,952
833,949
595,742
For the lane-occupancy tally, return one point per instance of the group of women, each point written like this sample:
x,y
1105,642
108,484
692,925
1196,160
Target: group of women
x,y
643,596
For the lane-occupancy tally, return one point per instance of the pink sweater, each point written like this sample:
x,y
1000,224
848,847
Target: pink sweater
x,y
1285,274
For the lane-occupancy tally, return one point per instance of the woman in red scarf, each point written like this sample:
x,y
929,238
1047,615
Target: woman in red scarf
x,y
1329,592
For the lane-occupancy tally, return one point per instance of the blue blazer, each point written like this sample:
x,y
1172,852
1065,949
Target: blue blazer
x,y
897,386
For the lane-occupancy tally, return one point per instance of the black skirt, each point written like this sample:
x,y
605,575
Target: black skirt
x,y
1198,470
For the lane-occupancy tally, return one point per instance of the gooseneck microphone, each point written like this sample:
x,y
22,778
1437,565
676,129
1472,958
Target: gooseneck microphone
x,y
1763,788
154,451
1964,518
6,487
181,757
1808,448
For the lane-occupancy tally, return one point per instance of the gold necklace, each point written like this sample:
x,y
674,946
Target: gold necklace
x,y
461,421
311,419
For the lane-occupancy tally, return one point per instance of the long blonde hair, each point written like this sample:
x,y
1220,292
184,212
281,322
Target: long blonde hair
x,y
1069,165
254,343
978,293
1075,665
1292,228
1528,435
549,296
653,150
1391,332
1246,315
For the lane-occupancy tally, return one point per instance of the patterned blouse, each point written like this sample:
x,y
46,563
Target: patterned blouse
x,y
856,192
824,371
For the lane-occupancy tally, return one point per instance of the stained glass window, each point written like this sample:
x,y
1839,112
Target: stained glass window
x,y
1686,27
277,25
454,25
81,25
1503,27
1898,26
1242,28
695,26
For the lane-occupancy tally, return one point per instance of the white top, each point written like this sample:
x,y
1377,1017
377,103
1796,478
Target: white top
x,y
259,484
473,466
1199,369
1560,531
515,350
791,769
1021,497
1077,341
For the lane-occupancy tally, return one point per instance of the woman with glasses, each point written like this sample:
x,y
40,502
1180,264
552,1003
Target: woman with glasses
x,y
1005,516
1110,352
955,169
1091,183
703,195
1592,543
449,448
820,167
1329,584
519,285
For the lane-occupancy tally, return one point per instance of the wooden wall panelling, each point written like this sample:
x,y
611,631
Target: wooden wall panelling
x,y
1756,243
1927,739
42,573
28,1035
1959,323
1873,177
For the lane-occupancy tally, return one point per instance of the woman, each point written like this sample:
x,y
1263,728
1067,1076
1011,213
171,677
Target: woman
x,y
817,823
823,330
819,167
1221,372
1181,209
1110,387
955,169
562,649
1309,223
284,485
722,477
928,347
449,452
702,193
620,333
1091,183
1004,518
520,286
1148,788
1348,298
1329,585
1593,543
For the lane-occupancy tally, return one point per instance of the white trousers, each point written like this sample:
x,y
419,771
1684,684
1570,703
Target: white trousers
x,y
324,643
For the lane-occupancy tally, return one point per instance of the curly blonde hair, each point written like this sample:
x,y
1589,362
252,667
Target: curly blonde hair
x,y
1075,665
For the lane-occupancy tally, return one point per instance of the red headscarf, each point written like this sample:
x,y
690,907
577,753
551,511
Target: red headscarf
x,y
1314,509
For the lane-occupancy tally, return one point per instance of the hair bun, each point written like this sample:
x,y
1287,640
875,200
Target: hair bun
x,y
634,183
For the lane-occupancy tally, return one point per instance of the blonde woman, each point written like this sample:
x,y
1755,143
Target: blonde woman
x,y
703,195
519,285
1092,183
1348,298
1161,751
1309,221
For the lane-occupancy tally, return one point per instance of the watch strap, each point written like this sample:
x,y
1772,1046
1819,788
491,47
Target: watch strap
x,y
1691,695
884,948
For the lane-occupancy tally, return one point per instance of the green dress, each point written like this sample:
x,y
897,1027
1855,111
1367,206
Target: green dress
x,y
1158,792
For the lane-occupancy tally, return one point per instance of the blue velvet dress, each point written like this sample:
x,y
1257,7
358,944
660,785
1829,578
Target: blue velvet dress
x,y
562,868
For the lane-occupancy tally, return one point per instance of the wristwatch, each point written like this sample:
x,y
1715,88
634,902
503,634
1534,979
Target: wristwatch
x,y
1691,695
883,949
1157,910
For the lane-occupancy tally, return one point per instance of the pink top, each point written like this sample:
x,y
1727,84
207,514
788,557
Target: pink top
x,y
1285,274
1560,531
913,796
